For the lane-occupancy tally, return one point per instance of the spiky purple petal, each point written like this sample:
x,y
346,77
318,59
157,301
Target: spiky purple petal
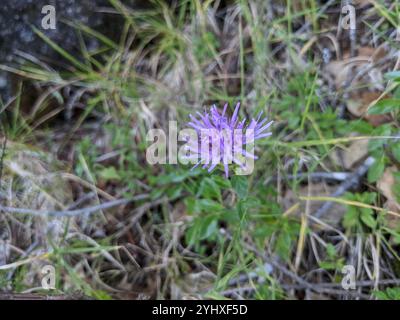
x,y
214,125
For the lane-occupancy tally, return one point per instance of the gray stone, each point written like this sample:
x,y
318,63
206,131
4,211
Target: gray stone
x,y
16,34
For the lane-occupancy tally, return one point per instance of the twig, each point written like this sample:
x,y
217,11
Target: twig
x,y
266,268
346,185
73,213
318,287
336,176
328,290
363,283
3,152
272,261
32,296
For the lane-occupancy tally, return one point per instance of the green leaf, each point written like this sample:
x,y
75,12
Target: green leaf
x,y
191,235
330,250
208,205
157,193
376,170
385,106
202,228
240,185
222,182
396,93
283,245
191,205
393,75
210,189
367,197
395,235
327,265
174,192
350,219
109,173
383,131
101,295
251,202
388,294
396,150
176,177
209,227
359,126
367,217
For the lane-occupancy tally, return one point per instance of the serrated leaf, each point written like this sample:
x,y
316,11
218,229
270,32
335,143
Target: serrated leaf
x,y
367,197
367,218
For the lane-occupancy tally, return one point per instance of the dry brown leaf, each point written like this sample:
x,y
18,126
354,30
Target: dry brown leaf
x,y
179,213
386,183
341,70
385,186
362,3
372,54
316,296
345,70
357,151
358,105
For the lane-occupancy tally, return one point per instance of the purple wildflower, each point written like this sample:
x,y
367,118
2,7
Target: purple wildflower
x,y
222,139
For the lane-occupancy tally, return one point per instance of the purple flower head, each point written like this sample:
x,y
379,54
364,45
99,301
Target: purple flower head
x,y
221,140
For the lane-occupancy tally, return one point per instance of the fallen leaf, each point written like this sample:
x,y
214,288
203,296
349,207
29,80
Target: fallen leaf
x,y
385,186
362,3
357,151
343,70
358,105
